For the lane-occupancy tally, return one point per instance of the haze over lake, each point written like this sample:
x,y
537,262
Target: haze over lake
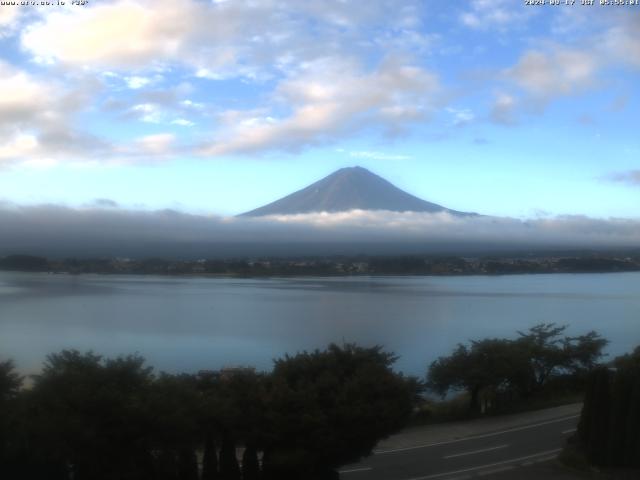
x,y
188,324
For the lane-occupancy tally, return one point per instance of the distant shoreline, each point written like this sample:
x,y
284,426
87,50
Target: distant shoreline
x,y
328,267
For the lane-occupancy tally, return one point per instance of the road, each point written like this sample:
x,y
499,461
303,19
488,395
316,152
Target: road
x,y
477,455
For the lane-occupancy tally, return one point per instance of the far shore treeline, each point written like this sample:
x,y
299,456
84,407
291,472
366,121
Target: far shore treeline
x,y
85,417
551,262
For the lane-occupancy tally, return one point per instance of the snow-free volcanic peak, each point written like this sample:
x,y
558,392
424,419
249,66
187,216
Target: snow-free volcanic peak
x,y
348,189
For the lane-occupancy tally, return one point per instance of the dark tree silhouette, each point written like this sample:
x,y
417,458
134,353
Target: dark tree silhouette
x,y
229,468
598,399
550,354
233,413
495,364
10,383
26,263
210,459
89,417
250,464
609,428
174,406
328,408
511,369
187,464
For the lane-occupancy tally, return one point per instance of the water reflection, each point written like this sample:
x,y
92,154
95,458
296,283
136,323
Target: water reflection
x,y
182,323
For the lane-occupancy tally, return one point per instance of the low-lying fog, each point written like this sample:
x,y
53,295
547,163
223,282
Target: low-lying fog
x,y
107,230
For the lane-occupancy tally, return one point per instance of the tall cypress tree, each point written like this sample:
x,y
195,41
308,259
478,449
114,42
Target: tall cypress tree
x,y
229,468
167,465
187,464
250,464
620,390
210,459
632,447
599,421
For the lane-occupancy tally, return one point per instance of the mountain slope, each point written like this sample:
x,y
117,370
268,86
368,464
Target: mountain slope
x,y
348,189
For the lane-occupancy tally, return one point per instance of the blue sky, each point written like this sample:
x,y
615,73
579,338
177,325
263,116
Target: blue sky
x,y
217,107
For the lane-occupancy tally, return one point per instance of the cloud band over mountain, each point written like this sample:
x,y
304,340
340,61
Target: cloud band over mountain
x,y
62,231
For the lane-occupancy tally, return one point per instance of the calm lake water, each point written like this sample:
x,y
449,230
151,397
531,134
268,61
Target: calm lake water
x,y
188,324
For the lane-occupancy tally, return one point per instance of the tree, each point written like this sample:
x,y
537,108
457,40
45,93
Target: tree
x,y
543,346
609,427
229,468
175,431
233,413
89,415
550,354
327,408
510,369
595,428
583,352
250,464
209,458
494,364
629,361
10,383
27,263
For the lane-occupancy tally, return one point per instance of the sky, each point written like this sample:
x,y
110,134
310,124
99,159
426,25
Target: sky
x,y
218,107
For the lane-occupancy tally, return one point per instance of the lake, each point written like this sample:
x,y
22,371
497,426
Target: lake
x,y
188,324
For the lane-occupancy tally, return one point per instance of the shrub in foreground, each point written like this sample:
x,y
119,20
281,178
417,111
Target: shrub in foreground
x,y
90,418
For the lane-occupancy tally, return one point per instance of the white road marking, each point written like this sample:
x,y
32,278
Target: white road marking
x,y
481,467
544,459
571,430
476,451
448,442
496,470
353,470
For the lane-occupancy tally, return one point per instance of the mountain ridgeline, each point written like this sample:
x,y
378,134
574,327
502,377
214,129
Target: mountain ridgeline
x,y
348,189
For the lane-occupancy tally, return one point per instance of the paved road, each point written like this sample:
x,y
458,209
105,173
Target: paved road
x,y
479,455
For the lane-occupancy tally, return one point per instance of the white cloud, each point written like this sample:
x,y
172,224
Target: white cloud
x,y
112,35
137,82
23,96
9,16
38,125
214,39
559,71
36,118
541,77
157,145
631,177
503,109
490,14
323,59
621,41
191,104
318,97
379,155
549,75
19,146
328,99
114,231
147,112
461,117
183,122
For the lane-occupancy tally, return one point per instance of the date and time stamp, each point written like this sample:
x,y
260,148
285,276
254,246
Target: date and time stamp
x,y
44,3
583,3
526,3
